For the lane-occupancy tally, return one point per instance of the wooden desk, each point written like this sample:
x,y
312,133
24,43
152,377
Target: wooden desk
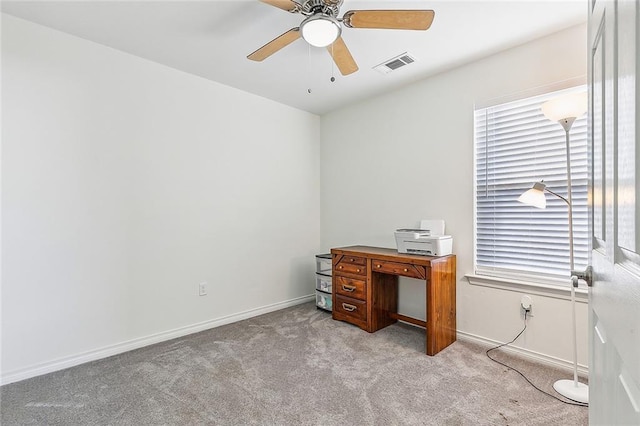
x,y
365,290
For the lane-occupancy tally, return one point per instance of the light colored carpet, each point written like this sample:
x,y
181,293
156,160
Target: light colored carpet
x,y
292,367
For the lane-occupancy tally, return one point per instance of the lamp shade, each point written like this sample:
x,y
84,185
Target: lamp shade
x,y
535,196
320,30
572,105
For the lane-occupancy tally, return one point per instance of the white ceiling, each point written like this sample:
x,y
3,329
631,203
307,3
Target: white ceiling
x,y
211,39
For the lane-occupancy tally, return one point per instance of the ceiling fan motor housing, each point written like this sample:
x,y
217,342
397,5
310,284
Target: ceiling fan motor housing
x,y
326,7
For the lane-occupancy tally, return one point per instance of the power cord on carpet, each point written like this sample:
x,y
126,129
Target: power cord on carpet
x,y
579,404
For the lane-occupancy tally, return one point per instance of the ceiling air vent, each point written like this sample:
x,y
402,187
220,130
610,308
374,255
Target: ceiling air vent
x,y
394,63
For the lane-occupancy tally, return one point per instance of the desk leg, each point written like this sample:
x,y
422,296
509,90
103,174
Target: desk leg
x,y
385,300
441,305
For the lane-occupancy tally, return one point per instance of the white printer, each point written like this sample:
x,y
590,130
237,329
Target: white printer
x,y
429,240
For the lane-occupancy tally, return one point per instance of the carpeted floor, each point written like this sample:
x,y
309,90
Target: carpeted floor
x,y
292,367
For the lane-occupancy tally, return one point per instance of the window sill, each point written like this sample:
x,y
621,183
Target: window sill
x,y
523,286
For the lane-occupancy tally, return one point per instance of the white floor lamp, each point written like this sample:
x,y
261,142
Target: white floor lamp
x,y
564,110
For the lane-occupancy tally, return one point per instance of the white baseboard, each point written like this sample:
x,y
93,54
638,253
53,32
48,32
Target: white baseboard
x,y
107,351
538,357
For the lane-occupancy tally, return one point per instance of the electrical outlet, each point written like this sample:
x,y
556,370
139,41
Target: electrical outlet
x,y
526,305
202,289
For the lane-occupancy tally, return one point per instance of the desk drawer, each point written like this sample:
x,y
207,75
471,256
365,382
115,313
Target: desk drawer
x,y
351,265
405,270
351,287
355,260
351,309
351,268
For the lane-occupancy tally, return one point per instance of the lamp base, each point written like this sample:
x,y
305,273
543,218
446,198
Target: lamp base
x,y
574,391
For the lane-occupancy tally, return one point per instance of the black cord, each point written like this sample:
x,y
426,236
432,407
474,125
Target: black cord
x,y
579,404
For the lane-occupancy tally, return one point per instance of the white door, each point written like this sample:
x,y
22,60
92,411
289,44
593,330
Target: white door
x,y
614,298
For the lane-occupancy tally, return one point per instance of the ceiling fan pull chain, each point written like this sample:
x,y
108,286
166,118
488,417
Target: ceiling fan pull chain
x,y
333,77
309,67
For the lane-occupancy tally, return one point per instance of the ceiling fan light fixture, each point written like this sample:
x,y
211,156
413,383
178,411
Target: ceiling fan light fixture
x,y
320,30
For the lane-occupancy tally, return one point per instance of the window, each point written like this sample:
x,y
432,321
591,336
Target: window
x,y
515,147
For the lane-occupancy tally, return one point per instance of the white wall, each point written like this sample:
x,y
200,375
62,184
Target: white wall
x,y
125,184
390,161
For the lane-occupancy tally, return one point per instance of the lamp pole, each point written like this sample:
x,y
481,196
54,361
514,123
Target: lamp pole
x,y
566,124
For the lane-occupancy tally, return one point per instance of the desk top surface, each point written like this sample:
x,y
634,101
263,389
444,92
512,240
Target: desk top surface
x,y
388,254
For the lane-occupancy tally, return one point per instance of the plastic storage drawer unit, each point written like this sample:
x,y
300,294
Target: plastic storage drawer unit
x,y
323,282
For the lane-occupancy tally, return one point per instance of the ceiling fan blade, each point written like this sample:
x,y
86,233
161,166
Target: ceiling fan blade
x,y
342,57
276,44
389,19
287,5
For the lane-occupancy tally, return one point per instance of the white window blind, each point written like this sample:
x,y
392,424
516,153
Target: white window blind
x,y
515,147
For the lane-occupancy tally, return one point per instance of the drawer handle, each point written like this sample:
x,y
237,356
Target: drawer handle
x,y
348,307
349,288
406,270
352,259
358,270
340,267
378,266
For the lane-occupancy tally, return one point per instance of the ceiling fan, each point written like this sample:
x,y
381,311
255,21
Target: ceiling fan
x,y
322,27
